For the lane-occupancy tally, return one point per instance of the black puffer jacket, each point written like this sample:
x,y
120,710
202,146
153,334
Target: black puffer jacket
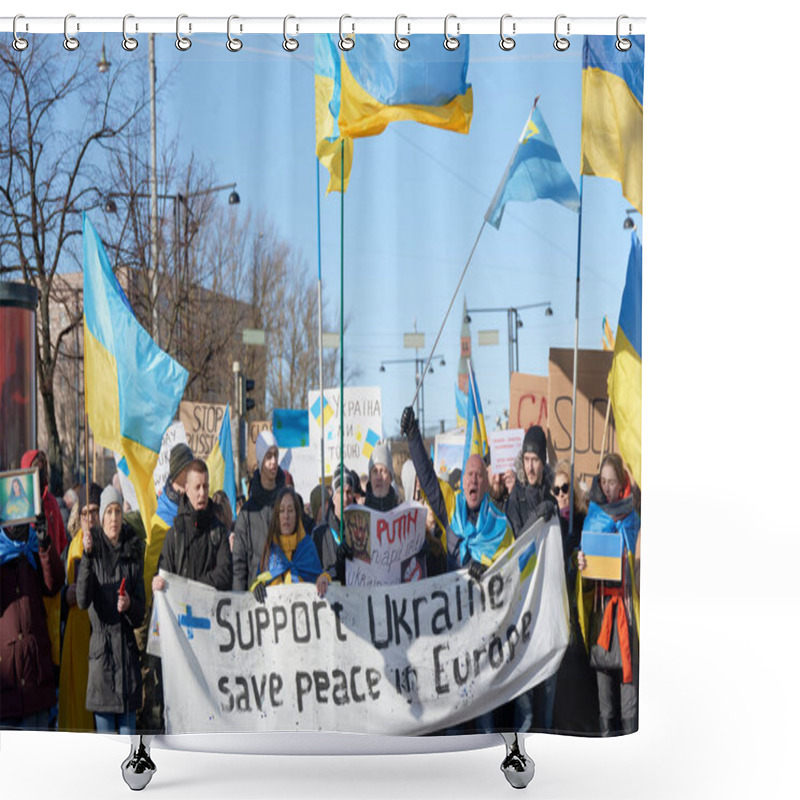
x,y
196,547
383,504
524,498
115,680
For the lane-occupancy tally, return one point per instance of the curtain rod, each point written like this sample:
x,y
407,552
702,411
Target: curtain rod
x,y
512,26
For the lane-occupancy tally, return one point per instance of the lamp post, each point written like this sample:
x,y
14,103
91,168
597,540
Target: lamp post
x,y
419,366
514,324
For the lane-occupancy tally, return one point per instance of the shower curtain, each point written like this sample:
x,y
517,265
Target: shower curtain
x,y
299,266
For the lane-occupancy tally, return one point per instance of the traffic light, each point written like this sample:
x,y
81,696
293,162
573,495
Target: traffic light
x,y
246,403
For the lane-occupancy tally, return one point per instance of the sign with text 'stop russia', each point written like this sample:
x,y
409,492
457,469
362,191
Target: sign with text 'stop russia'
x,y
363,425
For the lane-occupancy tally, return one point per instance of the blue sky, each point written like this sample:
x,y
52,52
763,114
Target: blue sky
x,y
414,207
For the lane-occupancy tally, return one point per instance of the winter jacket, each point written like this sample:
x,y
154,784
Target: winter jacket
x,y
115,680
196,547
27,680
250,531
160,523
382,504
326,539
524,498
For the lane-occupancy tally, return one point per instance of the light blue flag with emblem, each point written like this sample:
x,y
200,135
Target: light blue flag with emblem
x,y
535,172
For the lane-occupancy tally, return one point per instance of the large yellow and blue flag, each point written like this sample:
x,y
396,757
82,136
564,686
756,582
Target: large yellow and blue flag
x,y
221,473
613,98
625,377
535,172
476,440
359,92
133,388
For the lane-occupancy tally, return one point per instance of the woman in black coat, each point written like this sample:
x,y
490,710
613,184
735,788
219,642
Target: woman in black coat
x,y
113,553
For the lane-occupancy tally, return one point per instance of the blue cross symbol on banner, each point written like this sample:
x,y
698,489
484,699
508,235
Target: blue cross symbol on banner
x,y
190,622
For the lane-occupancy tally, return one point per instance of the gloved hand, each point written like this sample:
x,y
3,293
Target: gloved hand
x,y
42,536
408,422
476,570
344,550
260,592
545,509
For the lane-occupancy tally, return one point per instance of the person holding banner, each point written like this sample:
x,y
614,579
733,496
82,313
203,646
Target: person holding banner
x,y
111,586
608,610
289,556
252,524
196,546
332,548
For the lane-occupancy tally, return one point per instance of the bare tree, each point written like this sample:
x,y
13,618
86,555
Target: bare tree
x,y
56,117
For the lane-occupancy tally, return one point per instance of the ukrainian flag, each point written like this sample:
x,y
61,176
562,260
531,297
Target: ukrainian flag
x,y
370,441
535,172
360,92
133,388
476,440
625,377
613,96
322,410
220,463
608,335
461,408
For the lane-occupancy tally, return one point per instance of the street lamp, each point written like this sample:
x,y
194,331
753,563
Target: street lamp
x,y
419,367
514,324
629,224
103,65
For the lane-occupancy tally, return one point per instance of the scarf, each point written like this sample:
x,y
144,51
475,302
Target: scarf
x,y
481,539
305,565
599,521
11,548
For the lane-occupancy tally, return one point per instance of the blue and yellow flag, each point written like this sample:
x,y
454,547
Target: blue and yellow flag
x,y
625,377
461,408
535,172
133,388
613,97
608,335
476,439
221,473
358,93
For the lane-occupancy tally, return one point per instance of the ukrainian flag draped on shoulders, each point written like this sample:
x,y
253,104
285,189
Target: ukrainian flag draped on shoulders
x,y
613,100
625,377
359,92
133,388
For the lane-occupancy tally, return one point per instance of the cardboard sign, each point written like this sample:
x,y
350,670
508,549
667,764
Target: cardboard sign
x,y
603,553
528,401
253,429
363,426
504,446
592,397
202,422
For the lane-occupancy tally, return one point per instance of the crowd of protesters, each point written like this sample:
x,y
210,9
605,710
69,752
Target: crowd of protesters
x,y
77,586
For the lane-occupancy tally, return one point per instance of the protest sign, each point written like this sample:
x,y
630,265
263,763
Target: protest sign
x,y
528,399
253,429
396,660
592,397
385,545
20,500
174,434
290,427
303,465
603,552
201,422
504,447
363,426
448,452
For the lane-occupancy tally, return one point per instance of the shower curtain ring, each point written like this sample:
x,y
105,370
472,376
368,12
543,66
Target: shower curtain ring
x,y
19,44
622,45
128,42
451,42
400,42
507,42
345,42
233,44
561,43
70,42
289,44
182,42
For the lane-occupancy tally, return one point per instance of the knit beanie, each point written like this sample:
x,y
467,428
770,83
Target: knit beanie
x,y
535,442
381,455
109,496
179,458
94,495
266,440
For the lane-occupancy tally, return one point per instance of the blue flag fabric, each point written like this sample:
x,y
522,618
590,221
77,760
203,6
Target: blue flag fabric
x,y
480,540
535,172
290,427
305,566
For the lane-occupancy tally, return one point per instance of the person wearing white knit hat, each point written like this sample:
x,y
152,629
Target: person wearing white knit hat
x,y
381,495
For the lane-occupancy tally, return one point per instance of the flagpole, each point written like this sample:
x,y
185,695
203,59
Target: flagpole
x,y
319,315
575,367
449,308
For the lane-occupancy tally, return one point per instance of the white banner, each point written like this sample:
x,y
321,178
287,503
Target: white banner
x,y
385,546
363,426
393,660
